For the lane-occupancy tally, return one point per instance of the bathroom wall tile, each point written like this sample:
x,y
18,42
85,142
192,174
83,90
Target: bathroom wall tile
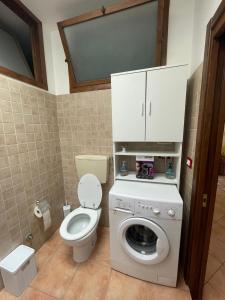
x,y
25,175
189,144
85,127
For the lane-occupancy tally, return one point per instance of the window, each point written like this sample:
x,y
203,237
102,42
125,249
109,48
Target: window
x,y
21,44
123,37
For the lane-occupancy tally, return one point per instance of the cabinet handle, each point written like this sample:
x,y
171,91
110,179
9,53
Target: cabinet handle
x,y
150,108
142,109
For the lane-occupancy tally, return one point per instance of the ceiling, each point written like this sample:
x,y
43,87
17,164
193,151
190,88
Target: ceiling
x,y
52,11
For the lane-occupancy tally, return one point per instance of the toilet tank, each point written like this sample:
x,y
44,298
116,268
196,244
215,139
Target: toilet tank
x,y
94,164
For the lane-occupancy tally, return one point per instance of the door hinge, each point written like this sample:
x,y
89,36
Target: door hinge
x,y
205,200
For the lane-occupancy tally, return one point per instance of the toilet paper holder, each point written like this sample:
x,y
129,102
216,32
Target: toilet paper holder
x,y
41,207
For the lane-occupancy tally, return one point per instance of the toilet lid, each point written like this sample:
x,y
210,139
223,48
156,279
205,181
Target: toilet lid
x,y
89,191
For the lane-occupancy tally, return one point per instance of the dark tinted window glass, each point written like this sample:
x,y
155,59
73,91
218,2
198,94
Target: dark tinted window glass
x,y
118,42
15,43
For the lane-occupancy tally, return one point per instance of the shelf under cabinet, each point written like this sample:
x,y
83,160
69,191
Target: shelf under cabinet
x,y
158,178
144,153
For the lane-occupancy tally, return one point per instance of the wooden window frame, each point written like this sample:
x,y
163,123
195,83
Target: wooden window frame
x,y
40,78
161,44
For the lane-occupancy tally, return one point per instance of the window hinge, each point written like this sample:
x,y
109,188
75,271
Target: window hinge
x,y
205,200
103,10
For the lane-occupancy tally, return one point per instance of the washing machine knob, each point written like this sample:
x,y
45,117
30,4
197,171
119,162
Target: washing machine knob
x,y
156,211
171,212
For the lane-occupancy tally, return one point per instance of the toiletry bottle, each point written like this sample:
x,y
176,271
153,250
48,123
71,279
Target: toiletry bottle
x,y
124,169
170,174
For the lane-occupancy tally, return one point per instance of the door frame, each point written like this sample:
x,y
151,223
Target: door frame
x,y
208,149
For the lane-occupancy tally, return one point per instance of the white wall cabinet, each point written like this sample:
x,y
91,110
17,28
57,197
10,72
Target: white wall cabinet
x,y
128,107
149,105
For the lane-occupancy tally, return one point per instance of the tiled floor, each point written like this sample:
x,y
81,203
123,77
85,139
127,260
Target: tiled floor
x,y
215,273
59,277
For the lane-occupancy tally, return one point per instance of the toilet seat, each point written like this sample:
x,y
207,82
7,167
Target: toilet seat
x,y
73,218
89,191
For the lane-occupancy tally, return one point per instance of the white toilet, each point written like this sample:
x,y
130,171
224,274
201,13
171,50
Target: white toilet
x,y
78,229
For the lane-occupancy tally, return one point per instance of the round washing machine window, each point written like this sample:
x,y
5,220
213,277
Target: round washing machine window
x,y
143,240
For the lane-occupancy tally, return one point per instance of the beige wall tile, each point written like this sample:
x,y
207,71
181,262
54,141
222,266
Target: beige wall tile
x,y
85,127
189,144
22,169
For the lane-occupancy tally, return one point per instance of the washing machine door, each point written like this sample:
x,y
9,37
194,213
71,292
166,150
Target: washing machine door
x,y
143,240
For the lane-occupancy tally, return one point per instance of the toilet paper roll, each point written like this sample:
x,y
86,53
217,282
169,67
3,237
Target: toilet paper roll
x,y
37,212
42,210
47,219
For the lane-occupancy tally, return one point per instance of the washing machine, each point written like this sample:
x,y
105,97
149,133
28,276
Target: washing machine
x,y
145,228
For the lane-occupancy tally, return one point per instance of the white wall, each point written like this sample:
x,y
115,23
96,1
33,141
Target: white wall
x,y
180,31
60,66
204,10
49,59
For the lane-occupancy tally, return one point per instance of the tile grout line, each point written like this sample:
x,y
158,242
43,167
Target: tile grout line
x,y
70,282
43,292
107,288
221,265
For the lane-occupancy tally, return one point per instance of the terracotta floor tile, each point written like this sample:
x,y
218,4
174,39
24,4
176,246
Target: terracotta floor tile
x,y
89,282
6,296
209,293
59,277
125,287
213,265
218,231
55,241
56,275
217,249
156,292
217,215
103,231
218,281
220,202
66,249
222,221
101,251
43,255
181,283
33,294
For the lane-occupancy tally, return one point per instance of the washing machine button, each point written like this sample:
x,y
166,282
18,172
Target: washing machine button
x,y
171,212
156,211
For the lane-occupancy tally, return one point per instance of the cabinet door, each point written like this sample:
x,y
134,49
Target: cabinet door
x,y
128,107
165,104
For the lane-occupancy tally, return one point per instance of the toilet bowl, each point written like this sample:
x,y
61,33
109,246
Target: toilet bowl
x,y
79,227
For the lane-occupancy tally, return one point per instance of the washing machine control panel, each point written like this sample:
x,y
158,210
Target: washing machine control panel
x,y
147,209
